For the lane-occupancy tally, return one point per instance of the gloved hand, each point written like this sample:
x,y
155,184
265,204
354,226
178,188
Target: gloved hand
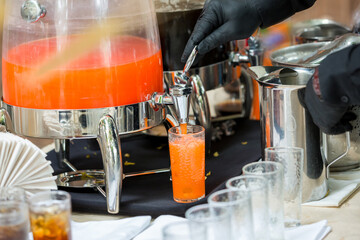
x,y
222,21
330,118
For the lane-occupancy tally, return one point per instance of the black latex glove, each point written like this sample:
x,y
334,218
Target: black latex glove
x,y
330,118
222,21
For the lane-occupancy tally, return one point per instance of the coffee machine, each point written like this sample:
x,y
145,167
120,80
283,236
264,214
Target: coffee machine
x,y
81,69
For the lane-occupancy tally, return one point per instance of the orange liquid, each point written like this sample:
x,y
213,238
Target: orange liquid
x,y
50,227
128,71
187,156
183,128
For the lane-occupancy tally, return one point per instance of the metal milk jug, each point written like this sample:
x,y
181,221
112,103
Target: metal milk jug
x,y
285,123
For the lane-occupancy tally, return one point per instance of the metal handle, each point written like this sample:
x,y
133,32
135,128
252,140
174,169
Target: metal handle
x,y
109,142
347,136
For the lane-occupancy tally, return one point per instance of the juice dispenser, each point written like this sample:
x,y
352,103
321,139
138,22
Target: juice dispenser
x,y
83,69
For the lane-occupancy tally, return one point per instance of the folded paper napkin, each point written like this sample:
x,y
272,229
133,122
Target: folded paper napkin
x,y
154,232
315,231
23,164
341,186
122,229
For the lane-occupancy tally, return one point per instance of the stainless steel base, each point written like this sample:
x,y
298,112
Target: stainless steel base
x,y
105,124
80,123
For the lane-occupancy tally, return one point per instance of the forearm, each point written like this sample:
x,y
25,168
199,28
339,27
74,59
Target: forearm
x,y
275,11
339,76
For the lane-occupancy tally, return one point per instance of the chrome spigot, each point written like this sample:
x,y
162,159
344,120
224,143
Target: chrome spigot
x,y
182,89
179,94
254,53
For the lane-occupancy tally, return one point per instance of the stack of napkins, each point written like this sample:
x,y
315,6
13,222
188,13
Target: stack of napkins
x,y
22,164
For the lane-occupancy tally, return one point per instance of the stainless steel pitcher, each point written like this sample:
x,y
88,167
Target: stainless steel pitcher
x,y
284,122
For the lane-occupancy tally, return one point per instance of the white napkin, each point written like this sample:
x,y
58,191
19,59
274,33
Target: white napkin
x,y
122,229
315,231
154,232
23,164
341,186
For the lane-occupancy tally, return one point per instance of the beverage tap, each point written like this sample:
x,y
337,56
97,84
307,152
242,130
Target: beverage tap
x,y
180,92
182,89
254,53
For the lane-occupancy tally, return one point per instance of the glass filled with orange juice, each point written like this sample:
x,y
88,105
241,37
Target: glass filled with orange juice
x,y
187,157
50,214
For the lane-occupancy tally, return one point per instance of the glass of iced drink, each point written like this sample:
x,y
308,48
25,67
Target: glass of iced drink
x,y
12,194
50,214
187,157
14,220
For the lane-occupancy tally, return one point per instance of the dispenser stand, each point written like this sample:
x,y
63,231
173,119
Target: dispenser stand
x,y
62,150
109,142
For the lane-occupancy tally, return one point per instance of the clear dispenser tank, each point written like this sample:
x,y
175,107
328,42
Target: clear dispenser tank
x,y
80,54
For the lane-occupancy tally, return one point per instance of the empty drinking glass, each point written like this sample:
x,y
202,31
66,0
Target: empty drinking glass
x,y
292,159
258,190
184,231
239,205
273,172
216,220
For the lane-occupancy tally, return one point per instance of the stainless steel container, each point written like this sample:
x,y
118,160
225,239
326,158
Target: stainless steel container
x,y
317,30
284,122
332,146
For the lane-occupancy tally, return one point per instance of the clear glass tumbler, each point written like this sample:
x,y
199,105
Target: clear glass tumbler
x,y
216,220
50,214
239,204
258,190
292,159
183,231
274,173
187,157
14,220
12,194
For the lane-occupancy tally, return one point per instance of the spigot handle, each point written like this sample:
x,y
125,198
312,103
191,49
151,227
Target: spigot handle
x,y
190,60
182,77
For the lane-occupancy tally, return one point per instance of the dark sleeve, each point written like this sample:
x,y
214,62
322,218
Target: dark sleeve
x,y
275,11
339,77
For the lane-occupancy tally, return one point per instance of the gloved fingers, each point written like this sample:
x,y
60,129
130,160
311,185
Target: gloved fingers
x,y
337,129
349,116
206,23
216,38
342,126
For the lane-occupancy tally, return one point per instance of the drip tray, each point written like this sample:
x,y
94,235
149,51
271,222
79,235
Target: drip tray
x,y
81,179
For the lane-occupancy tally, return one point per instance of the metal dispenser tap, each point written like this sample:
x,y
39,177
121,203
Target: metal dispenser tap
x,y
254,53
180,92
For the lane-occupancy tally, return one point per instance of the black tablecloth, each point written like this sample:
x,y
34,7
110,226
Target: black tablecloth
x,y
152,194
